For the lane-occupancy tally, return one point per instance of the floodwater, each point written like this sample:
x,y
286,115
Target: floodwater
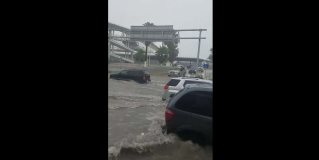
x,y
136,117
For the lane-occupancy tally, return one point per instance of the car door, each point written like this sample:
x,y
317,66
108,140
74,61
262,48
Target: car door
x,y
130,74
203,112
196,109
134,75
123,74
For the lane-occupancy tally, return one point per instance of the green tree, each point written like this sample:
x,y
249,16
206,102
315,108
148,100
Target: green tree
x,y
139,56
162,54
172,51
148,24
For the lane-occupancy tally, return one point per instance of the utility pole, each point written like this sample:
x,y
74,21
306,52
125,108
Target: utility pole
x,y
109,47
146,44
200,33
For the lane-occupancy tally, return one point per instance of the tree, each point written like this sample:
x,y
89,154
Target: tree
x,y
172,51
140,55
148,24
147,42
162,54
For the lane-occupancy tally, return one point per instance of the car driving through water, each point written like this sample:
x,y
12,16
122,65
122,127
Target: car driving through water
x,y
137,75
189,114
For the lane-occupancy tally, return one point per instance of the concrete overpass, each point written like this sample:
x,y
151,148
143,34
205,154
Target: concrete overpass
x,y
190,59
124,45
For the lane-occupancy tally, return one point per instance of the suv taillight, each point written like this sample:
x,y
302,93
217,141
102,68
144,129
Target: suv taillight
x,y
166,87
168,114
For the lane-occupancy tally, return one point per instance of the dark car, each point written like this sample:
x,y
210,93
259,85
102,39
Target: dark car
x,y
189,114
140,76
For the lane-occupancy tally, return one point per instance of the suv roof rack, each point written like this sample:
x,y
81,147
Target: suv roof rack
x,y
191,78
198,85
186,78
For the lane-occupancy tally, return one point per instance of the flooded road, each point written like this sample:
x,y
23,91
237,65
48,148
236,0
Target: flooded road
x,y
136,117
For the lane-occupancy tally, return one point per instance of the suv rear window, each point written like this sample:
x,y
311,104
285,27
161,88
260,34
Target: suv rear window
x,y
194,82
198,102
173,82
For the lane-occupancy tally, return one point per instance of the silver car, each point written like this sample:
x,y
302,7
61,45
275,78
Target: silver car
x,y
173,73
177,84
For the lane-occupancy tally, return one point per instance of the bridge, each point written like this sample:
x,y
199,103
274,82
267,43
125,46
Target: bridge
x,y
189,59
125,41
120,43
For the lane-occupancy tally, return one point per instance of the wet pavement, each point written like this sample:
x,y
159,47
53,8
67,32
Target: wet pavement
x,y
136,115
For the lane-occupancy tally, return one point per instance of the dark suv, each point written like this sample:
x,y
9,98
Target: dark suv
x,y
189,114
141,76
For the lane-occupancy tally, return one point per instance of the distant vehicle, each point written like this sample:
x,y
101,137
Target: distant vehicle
x,y
205,65
200,69
137,75
177,84
174,73
192,71
182,72
200,73
180,66
189,114
175,63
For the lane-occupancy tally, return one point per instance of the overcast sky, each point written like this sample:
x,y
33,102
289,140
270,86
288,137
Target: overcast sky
x,y
182,14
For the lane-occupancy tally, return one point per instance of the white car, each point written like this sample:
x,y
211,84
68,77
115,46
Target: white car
x,y
180,66
177,84
173,73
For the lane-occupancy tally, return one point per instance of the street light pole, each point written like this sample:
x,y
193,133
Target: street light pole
x,y
109,47
146,44
200,33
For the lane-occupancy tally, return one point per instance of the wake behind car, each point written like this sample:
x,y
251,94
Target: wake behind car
x,y
189,114
137,75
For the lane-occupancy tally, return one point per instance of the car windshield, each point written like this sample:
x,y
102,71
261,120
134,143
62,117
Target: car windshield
x,y
123,72
173,82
